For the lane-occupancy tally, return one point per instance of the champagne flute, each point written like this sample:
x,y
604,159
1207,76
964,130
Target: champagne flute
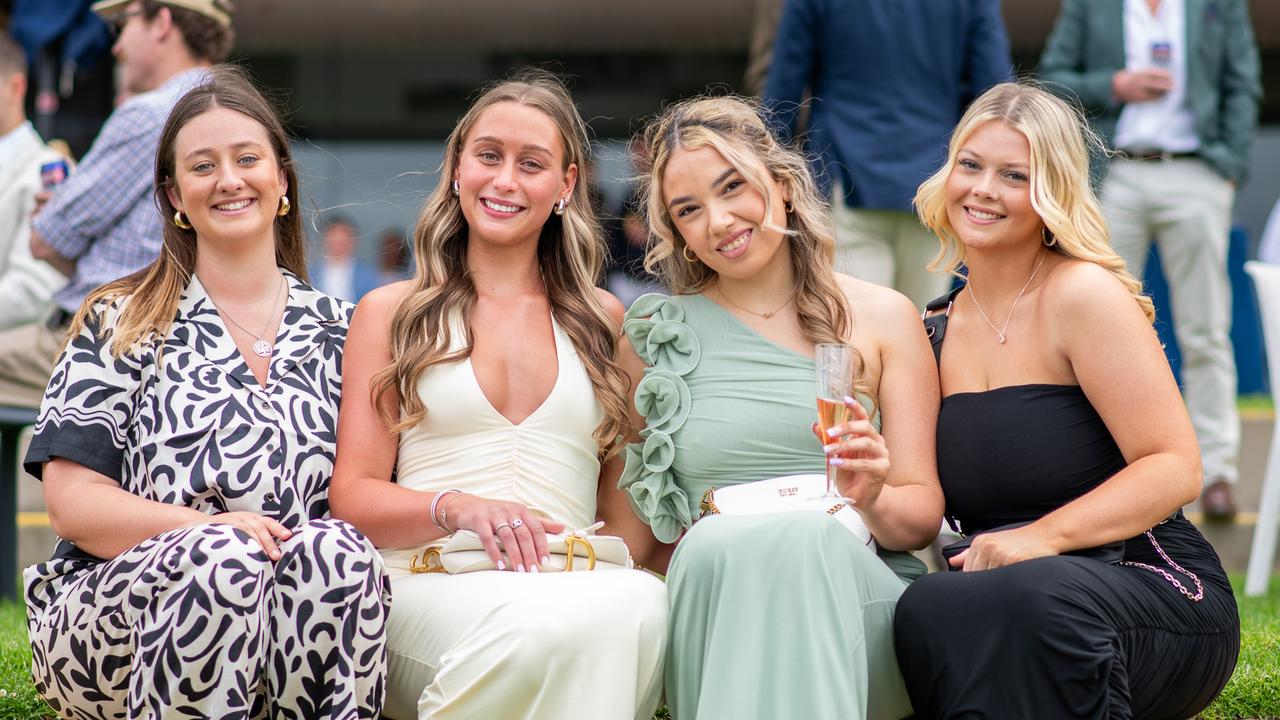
x,y
834,365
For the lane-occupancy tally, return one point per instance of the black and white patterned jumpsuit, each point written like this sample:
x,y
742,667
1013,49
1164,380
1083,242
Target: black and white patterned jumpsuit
x,y
198,622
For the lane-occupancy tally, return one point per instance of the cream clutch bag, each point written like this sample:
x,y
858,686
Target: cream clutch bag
x,y
574,551
790,493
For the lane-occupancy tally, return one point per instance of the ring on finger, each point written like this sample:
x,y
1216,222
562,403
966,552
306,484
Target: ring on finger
x,y
517,523
499,526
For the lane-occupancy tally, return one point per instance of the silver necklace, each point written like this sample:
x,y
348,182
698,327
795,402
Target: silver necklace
x,y
1000,331
261,347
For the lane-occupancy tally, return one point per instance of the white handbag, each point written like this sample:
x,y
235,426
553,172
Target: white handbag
x,y
790,493
573,551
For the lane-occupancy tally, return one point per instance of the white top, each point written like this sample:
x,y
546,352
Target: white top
x,y
548,462
14,142
1150,41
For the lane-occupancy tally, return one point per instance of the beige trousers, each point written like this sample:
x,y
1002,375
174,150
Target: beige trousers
x,y
520,646
1186,207
27,355
888,247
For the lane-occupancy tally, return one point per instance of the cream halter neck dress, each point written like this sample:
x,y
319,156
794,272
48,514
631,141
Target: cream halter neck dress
x,y
518,645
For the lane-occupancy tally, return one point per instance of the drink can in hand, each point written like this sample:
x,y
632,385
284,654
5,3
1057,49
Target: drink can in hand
x,y
53,174
1161,54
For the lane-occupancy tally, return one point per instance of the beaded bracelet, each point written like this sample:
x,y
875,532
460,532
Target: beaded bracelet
x,y
438,520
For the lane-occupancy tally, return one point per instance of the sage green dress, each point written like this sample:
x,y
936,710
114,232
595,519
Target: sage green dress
x,y
772,616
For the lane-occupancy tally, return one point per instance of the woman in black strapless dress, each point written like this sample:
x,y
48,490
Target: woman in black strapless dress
x,y
1059,411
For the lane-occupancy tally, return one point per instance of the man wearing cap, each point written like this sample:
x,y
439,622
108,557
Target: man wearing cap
x,y
26,284
1174,86
102,223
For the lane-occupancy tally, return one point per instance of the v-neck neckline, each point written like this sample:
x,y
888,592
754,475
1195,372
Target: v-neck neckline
x,y
555,335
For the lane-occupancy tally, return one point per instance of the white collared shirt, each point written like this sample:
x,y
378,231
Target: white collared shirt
x,y
1157,40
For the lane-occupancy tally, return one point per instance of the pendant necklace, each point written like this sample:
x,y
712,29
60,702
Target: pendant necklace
x,y
261,347
1000,331
766,315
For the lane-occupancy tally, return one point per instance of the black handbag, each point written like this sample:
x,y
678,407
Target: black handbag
x,y
1111,553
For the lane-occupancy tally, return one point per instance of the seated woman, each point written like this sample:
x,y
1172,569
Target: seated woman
x,y
495,364
1059,410
777,615
186,442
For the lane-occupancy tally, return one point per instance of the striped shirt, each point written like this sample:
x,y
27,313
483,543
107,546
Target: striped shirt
x,y
104,217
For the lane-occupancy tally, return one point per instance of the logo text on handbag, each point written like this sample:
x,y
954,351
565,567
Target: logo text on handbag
x,y
789,491
569,543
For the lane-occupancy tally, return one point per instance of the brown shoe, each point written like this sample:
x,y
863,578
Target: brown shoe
x,y
1218,501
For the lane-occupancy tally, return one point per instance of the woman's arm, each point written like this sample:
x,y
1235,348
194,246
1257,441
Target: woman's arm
x,y
1117,359
893,474
92,511
361,491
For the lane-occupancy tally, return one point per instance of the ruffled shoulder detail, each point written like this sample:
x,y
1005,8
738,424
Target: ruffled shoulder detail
x,y
656,329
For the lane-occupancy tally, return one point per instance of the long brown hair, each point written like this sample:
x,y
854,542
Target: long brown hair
x,y
734,127
1061,195
571,256
154,291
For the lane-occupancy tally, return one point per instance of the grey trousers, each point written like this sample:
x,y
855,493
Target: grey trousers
x,y
1185,207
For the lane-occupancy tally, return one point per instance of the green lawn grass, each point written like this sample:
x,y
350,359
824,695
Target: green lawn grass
x,y
1254,690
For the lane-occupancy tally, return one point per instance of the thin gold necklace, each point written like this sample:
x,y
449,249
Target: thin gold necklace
x,y
766,315
1000,331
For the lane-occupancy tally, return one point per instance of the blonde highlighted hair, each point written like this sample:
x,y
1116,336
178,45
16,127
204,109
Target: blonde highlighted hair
x,y
154,291
735,128
571,255
1061,195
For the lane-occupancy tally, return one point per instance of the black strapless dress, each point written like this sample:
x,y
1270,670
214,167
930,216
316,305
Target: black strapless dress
x,y
1057,637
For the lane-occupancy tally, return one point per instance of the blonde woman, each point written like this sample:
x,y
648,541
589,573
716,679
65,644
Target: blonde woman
x,y
186,441
495,365
777,615
1060,417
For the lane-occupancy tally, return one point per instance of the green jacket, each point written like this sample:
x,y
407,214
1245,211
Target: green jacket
x,y
1086,48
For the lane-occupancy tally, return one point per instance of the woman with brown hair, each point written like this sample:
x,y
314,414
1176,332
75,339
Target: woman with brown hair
x,y
186,442
486,387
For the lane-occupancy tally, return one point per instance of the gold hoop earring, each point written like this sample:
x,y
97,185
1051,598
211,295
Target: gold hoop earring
x,y
284,206
689,256
180,221
1048,238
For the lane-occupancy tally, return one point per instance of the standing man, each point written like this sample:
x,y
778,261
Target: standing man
x,y
26,284
1174,86
889,78
102,224
339,271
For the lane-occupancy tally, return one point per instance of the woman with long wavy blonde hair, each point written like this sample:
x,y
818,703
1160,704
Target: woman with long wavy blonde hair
x,y
1064,451
725,384
484,396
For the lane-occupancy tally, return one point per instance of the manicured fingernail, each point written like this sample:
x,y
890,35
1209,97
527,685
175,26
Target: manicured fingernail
x,y
519,567
833,432
829,448
836,462
502,565
848,400
545,559
533,568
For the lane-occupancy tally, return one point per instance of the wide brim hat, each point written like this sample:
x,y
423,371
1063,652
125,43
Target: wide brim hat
x,y
214,9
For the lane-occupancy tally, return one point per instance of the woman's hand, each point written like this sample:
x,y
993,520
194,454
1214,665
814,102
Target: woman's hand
x,y
522,533
262,528
859,454
997,549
